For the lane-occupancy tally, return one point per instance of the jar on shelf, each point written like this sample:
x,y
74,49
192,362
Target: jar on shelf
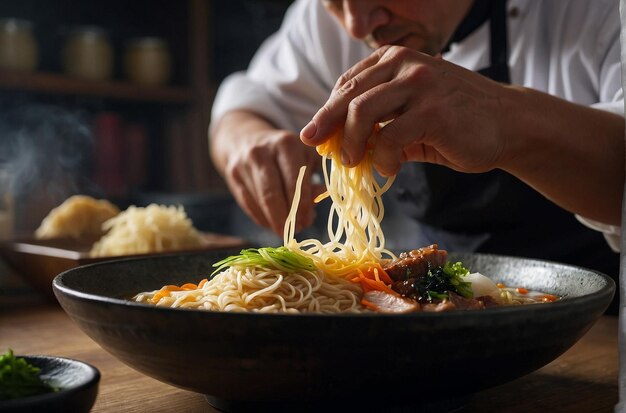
x,y
18,46
88,53
147,61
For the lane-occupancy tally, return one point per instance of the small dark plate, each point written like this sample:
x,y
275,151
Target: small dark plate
x,y
77,383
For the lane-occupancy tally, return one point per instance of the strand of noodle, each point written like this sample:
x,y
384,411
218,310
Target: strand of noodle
x,y
290,223
269,289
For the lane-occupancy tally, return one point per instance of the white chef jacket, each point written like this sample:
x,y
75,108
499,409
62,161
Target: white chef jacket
x,y
567,48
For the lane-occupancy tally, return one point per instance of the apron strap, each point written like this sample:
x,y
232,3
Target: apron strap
x,y
499,67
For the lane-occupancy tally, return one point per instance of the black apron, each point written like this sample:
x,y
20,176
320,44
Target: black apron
x,y
504,215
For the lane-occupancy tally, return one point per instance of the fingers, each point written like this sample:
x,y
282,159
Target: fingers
x,y
271,195
391,141
360,78
259,192
290,162
359,67
245,198
381,103
263,180
388,84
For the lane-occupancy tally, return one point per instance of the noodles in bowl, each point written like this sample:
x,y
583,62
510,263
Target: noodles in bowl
x,y
263,288
258,356
353,272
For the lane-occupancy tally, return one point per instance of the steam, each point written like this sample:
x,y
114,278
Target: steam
x,y
46,153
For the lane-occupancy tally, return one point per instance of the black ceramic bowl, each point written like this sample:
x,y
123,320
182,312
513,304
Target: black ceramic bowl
x,y
246,357
77,383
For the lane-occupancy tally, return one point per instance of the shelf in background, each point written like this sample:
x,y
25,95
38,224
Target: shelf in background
x,y
61,84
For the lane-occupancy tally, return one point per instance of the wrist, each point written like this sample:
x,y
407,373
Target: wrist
x,y
515,126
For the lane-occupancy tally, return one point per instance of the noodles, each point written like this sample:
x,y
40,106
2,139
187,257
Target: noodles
x,y
355,249
354,223
266,290
154,228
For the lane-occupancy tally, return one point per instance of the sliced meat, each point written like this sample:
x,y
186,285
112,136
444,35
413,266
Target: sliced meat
x,y
406,288
456,302
462,303
488,301
416,263
440,307
387,303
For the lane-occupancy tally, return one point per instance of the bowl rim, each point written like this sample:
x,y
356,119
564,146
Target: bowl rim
x,y
90,378
607,291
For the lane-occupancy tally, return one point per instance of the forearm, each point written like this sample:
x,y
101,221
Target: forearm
x,y
572,154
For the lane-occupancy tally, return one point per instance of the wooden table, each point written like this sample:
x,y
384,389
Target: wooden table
x,y
584,379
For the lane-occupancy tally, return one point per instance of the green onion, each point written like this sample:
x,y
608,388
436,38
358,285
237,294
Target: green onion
x,y
280,258
456,272
20,379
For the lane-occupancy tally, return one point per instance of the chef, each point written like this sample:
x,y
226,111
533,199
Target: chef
x,y
499,111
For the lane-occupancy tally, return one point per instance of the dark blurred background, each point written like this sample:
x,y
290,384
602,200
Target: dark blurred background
x,y
112,99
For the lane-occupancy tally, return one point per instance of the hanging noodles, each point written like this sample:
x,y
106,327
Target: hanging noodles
x,y
356,241
305,276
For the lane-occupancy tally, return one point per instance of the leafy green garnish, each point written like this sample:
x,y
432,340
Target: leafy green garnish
x,y
19,379
436,284
280,258
456,272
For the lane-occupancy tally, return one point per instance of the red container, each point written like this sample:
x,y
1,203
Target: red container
x,y
110,154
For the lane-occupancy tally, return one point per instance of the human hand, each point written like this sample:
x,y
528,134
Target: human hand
x,y
261,172
439,112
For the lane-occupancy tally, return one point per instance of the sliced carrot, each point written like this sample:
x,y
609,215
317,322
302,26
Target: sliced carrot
x,y
368,304
522,290
201,283
376,285
549,298
171,288
189,286
374,278
160,294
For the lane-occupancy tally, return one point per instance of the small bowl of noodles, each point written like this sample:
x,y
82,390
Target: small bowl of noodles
x,y
84,230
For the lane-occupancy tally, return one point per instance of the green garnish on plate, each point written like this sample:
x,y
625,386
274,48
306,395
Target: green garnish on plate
x,y
280,258
20,379
440,280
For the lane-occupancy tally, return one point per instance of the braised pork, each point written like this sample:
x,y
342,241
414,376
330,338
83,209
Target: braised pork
x,y
416,263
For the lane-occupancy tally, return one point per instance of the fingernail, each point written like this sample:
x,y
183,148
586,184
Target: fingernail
x,y
308,132
345,159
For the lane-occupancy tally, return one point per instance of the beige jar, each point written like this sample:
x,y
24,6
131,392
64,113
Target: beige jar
x,y
147,61
18,46
87,53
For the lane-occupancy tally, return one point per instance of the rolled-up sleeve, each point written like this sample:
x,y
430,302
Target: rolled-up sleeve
x,y
611,94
